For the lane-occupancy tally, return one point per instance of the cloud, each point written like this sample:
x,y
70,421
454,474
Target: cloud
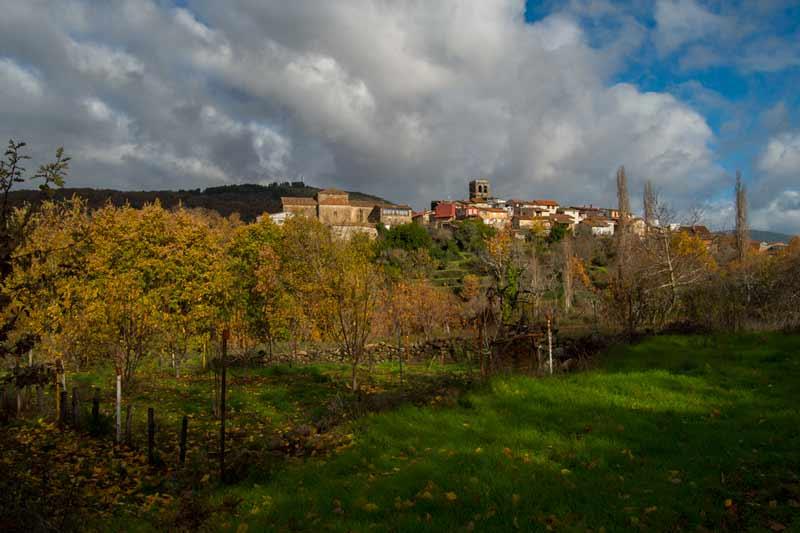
x,y
781,158
404,99
19,84
684,21
776,193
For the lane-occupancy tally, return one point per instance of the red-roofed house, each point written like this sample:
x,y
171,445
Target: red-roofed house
x,y
444,212
550,207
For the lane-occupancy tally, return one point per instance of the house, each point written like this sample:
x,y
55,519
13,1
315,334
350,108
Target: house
x,y
279,218
300,206
597,227
334,208
466,211
589,211
638,226
562,220
422,217
772,248
548,206
535,224
493,216
444,212
571,212
530,211
391,215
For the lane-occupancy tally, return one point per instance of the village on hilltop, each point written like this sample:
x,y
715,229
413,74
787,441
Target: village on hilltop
x,y
539,217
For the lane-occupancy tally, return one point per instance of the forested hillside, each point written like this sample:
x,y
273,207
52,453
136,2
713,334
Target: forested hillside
x,y
249,200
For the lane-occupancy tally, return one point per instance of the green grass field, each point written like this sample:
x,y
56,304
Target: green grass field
x,y
673,433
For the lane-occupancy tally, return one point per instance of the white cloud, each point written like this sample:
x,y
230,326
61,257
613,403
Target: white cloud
x,y
684,21
776,191
18,83
108,65
781,157
780,214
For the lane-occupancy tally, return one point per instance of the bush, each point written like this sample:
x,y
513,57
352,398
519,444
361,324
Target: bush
x,y
406,237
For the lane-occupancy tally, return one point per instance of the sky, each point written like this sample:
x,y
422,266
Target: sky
x,y
410,99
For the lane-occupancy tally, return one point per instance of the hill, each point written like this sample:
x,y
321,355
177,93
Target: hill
x,y
760,235
249,200
769,236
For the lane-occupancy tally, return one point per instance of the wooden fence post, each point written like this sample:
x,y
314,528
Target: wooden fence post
x,y
96,408
62,413
76,413
184,430
39,399
128,411
3,413
223,392
119,409
550,344
151,434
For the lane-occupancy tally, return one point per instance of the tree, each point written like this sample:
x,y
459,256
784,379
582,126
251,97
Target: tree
x,y
471,235
14,224
558,232
40,292
337,283
407,237
650,203
567,272
258,289
622,288
742,231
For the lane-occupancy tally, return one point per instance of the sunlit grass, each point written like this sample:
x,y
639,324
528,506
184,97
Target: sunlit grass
x,y
658,438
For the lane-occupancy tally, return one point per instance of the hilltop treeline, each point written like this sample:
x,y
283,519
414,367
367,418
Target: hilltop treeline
x,y
247,200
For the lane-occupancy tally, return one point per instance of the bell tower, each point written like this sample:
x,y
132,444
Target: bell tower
x,y
479,190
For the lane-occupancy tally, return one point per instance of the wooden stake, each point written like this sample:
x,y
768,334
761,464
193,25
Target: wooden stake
x,y
151,434
58,392
119,409
223,392
76,415
128,413
550,344
96,408
62,413
184,431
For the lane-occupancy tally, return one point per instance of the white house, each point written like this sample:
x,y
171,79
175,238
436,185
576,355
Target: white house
x,y
598,227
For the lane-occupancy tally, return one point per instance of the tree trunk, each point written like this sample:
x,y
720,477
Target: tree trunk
x,y
118,409
355,379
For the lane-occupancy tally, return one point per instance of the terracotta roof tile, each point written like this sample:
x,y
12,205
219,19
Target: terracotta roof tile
x,y
297,200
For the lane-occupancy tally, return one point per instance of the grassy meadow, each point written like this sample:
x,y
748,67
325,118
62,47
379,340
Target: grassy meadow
x,y
673,433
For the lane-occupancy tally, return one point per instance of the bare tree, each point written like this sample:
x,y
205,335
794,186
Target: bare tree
x,y
623,199
566,272
650,201
742,231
